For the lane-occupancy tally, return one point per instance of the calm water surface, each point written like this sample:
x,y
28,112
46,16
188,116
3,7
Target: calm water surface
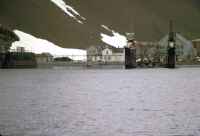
x,y
67,102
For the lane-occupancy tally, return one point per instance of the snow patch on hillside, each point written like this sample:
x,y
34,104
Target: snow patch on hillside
x,y
69,10
38,45
106,28
116,39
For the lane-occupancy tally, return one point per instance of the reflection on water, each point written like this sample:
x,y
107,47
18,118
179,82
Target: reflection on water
x,y
68,102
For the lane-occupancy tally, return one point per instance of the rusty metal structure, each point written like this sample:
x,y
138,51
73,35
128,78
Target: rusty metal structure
x,y
130,52
171,50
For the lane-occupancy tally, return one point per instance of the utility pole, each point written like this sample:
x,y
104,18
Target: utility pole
x,y
171,49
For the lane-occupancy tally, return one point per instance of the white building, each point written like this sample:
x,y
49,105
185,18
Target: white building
x,y
20,49
94,53
113,55
44,58
105,54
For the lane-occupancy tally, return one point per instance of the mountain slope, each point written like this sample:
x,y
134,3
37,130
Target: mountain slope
x,y
148,19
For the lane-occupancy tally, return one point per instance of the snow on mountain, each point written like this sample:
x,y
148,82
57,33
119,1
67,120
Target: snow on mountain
x,y
38,45
56,20
69,10
116,40
106,28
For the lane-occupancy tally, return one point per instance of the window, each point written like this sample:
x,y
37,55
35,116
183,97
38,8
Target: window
x,y
107,52
109,57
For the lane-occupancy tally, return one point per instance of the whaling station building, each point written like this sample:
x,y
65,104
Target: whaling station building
x,y
105,54
186,51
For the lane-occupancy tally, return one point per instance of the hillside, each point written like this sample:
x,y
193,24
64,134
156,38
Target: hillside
x,y
148,19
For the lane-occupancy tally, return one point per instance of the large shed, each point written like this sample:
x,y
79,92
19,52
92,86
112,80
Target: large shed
x,y
184,47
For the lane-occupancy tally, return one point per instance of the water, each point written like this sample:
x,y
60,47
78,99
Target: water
x,y
67,102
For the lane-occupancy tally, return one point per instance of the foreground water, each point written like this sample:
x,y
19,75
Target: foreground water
x,y
67,102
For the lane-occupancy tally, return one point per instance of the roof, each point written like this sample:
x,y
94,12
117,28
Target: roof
x,y
180,41
145,43
44,55
118,50
115,50
101,47
196,40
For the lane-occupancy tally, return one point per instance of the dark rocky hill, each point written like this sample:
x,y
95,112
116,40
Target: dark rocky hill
x,y
148,18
